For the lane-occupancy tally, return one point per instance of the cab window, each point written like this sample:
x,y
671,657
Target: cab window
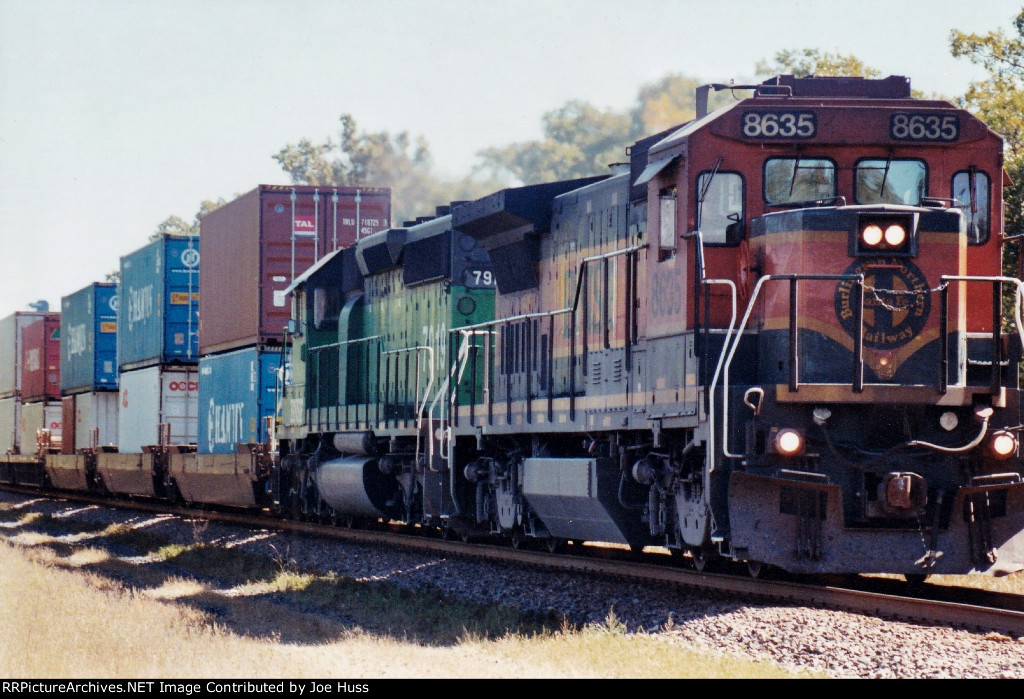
x,y
977,209
326,307
721,205
880,181
789,180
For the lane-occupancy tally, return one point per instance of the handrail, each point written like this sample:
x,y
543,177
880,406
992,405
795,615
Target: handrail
x,y
420,404
1018,297
580,278
568,309
733,342
342,343
338,345
997,316
714,381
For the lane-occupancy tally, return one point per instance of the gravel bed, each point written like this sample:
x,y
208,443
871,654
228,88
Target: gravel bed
x,y
840,644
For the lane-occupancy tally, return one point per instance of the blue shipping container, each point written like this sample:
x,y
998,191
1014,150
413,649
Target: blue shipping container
x,y
237,390
158,322
88,348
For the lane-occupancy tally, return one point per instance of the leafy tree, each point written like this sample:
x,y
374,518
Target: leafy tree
x,y
803,63
176,225
665,103
582,140
579,140
362,158
308,163
173,225
999,101
1002,56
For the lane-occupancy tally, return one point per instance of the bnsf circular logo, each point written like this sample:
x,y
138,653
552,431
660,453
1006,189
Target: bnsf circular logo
x,y
184,385
897,302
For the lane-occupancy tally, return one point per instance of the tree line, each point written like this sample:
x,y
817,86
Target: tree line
x,y
580,139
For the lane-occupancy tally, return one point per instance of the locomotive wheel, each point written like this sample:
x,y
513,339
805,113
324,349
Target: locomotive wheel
x,y
554,544
915,579
703,558
757,569
518,538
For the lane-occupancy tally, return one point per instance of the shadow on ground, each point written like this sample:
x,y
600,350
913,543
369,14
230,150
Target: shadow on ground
x,y
259,596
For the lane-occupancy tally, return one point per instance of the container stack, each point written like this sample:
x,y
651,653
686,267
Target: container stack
x,y
40,384
157,343
88,367
10,380
253,248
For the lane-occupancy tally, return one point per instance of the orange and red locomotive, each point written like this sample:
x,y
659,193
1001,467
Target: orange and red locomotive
x,y
781,333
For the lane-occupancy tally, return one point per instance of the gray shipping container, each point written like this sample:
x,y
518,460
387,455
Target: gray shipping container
x,y
95,410
155,395
10,350
10,425
45,415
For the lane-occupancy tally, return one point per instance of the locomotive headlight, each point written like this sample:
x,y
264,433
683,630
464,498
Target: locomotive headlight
x,y
882,232
1003,444
895,235
872,235
788,442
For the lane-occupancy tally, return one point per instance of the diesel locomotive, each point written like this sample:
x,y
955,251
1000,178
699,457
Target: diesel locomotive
x,y
776,335
779,334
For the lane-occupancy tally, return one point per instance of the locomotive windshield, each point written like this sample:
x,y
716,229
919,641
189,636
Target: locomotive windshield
x,y
788,180
890,182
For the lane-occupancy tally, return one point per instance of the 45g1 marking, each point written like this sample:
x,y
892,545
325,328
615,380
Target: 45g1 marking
x,y
919,126
779,124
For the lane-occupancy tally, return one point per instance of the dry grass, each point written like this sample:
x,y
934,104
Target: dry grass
x,y
74,604
59,622
1012,584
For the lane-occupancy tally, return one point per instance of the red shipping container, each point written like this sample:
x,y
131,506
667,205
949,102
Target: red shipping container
x,y
40,359
253,247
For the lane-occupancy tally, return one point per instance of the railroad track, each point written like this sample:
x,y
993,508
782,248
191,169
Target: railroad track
x,y
938,605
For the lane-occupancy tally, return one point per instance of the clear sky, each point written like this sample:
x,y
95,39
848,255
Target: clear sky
x,y
115,114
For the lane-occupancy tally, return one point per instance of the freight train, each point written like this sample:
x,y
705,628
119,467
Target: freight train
x,y
779,334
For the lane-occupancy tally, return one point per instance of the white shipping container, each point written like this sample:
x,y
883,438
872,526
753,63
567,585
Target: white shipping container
x,y
10,425
154,395
39,416
10,350
92,411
